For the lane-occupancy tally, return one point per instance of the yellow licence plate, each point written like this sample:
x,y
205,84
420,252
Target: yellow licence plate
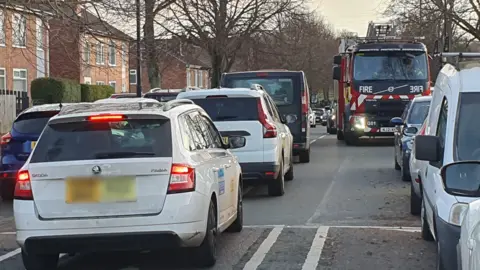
x,y
96,189
33,145
225,140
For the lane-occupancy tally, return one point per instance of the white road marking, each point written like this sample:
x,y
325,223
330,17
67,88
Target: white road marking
x,y
8,233
316,226
10,254
264,248
323,136
315,251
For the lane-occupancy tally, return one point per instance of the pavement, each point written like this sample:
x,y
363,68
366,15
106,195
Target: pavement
x,y
346,209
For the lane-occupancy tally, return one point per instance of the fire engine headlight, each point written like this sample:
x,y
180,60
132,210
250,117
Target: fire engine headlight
x,y
359,122
333,117
457,212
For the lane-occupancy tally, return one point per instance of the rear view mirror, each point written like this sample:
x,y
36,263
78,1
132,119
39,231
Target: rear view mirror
x,y
410,131
236,142
336,73
428,148
337,60
462,178
397,121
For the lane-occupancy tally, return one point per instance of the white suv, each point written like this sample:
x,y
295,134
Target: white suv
x,y
132,176
267,155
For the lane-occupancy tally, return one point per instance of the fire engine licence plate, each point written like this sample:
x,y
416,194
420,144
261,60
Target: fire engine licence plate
x,y
387,129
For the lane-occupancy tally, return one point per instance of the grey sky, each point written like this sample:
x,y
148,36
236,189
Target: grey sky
x,y
353,15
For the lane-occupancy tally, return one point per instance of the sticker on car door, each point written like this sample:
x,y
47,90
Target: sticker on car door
x,y
221,181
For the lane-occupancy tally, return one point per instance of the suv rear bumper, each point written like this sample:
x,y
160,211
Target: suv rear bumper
x,y
259,172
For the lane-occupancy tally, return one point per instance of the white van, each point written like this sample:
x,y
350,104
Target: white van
x,y
452,135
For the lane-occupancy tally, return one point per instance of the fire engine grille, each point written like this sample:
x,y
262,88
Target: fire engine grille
x,y
385,108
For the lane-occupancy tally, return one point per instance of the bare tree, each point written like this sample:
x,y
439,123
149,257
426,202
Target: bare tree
x,y
221,27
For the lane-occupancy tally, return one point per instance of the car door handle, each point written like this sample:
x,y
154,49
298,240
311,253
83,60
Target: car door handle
x,y
228,165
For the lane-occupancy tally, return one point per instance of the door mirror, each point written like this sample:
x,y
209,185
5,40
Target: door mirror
x,y
337,60
336,73
428,148
462,178
410,131
397,121
236,142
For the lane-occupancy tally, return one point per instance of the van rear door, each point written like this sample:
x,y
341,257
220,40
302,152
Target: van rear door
x,y
288,90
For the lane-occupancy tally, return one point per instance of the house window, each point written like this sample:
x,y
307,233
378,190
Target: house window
x,y
188,78
2,29
86,52
100,83
20,79
200,78
196,78
19,30
100,57
3,81
133,76
39,34
113,84
112,58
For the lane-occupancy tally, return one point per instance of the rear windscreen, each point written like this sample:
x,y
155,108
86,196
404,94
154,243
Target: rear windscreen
x,y
230,109
164,97
104,140
32,123
284,90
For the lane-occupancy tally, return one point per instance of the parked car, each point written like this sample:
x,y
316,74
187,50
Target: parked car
x,y
167,181
417,175
331,123
289,91
319,112
311,118
16,145
124,95
267,155
452,135
468,247
406,127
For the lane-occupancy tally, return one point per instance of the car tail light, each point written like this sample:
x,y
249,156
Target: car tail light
x,y
5,139
106,118
304,103
269,130
23,187
182,179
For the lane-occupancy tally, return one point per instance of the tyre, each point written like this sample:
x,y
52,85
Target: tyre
x,y
328,130
397,166
415,202
350,139
237,225
289,174
34,261
426,233
340,136
332,131
305,156
440,264
405,174
277,186
206,253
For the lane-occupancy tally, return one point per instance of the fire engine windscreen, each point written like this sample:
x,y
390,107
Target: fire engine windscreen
x,y
391,65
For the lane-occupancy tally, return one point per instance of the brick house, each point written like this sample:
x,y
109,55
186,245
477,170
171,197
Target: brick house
x,y
181,65
24,50
89,50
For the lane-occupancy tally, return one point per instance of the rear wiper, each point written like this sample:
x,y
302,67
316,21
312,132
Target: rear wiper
x,y
122,154
226,117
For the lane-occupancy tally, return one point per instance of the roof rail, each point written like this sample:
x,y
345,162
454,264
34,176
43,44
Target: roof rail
x,y
257,87
175,103
460,60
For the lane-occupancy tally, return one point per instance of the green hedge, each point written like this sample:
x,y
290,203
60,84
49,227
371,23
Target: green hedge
x,y
53,90
91,93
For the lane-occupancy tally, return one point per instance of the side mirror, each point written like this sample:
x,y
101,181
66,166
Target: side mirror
x,y
336,73
337,59
462,178
410,131
236,142
397,121
428,148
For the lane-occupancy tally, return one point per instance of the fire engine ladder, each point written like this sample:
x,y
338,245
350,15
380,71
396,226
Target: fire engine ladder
x,y
380,30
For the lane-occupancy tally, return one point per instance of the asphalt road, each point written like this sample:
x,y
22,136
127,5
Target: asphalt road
x,y
346,209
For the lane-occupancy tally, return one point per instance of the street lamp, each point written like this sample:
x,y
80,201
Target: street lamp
x,y
139,55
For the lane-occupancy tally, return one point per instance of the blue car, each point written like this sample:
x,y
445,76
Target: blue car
x,y
16,145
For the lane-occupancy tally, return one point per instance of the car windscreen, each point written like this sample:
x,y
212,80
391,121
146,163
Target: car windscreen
x,y
103,140
467,134
162,97
319,112
418,112
230,109
32,123
283,89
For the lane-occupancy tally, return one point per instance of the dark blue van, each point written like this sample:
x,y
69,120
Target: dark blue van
x,y
289,90
16,145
